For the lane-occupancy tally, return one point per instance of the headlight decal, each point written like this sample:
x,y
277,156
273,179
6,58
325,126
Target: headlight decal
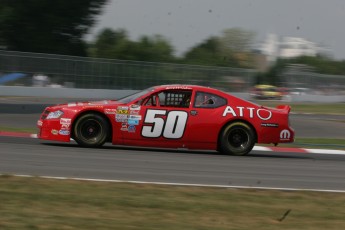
x,y
54,115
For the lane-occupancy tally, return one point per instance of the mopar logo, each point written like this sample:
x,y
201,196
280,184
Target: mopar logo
x,y
285,134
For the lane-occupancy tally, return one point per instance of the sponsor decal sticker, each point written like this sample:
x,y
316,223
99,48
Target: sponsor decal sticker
x,y
39,123
121,116
54,132
98,102
239,111
134,107
110,111
285,135
71,104
64,126
124,127
134,112
65,121
93,106
271,125
133,122
135,117
122,111
63,132
131,129
178,87
121,120
193,112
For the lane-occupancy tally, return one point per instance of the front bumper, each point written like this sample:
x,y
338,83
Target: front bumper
x,y
53,130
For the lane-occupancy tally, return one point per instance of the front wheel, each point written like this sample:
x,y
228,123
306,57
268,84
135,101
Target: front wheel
x,y
237,138
91,130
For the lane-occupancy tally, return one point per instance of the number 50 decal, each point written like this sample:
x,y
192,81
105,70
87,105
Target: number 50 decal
x,y
155,125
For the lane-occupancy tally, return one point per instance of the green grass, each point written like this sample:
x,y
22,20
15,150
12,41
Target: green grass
x,y
21,130
36,203
319,108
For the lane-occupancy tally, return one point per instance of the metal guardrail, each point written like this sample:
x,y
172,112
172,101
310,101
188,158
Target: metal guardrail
x,y
97,73
299,77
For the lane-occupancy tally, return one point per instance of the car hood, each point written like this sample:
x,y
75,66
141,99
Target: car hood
x,y
103,103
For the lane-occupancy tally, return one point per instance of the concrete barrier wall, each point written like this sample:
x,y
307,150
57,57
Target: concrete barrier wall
x,y
115,94
63,92
318,98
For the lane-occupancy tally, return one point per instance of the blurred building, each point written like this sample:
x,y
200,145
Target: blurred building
x,y
270,47
274,47
291,47
287,47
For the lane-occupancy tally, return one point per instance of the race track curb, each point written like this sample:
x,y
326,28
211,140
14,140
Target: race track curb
x,y
299,150
17,134
256,148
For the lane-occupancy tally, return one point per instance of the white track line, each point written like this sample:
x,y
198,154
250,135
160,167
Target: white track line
x,y
315,151
179,184
261,148
326,151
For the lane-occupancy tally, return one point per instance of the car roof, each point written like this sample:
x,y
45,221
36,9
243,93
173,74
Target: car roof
x,y
185,87
197,88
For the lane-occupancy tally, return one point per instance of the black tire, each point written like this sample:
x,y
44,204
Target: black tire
x,y
237,139
91,130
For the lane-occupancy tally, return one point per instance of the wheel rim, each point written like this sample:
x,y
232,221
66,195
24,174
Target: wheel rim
x,y
90,130
238,138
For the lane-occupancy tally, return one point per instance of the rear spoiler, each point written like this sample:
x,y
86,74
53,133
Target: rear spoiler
x,y
284,107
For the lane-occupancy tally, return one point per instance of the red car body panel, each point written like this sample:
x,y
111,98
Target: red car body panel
x,y
147,125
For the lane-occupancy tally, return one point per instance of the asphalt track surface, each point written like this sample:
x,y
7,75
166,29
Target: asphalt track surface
x,y
259,169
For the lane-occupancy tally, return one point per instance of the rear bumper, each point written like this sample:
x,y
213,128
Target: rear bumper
x,y
276,135
287,135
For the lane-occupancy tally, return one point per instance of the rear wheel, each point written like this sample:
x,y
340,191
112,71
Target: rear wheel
x,y
91,130
237,138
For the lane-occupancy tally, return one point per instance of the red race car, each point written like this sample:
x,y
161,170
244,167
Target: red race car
x,y
169,116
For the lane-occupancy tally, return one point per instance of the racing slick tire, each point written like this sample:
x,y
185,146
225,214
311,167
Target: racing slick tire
x,y
237,139
91,130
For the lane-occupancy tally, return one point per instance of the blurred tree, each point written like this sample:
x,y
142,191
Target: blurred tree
x,y
232,49
154,48
47,26
207,53
236,43
110,44
318,64
116,45
237,40
272,76
321,64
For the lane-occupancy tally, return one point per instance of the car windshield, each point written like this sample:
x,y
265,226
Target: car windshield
x,y
135,96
